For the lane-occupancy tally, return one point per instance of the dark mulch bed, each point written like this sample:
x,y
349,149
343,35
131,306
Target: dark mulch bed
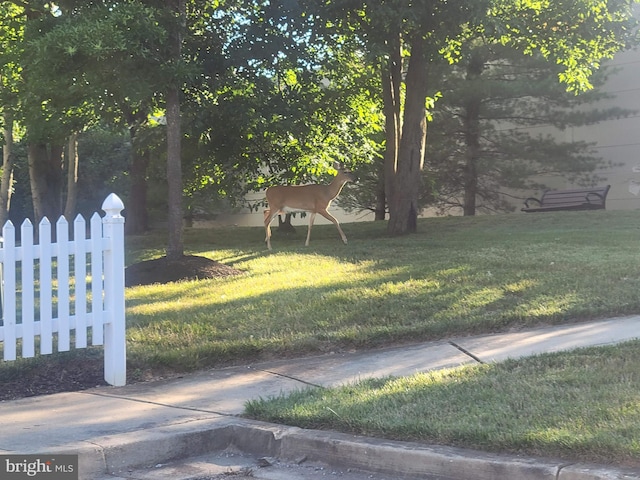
x,y
53,375
80,370
162,270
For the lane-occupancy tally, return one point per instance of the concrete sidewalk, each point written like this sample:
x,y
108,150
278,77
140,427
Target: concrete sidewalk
x,y
115,430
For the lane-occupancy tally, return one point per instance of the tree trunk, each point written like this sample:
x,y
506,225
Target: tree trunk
x,y
472,152
391,80
72,178
403,206
380,212
45,176
471,125
175,247
470,185
137,217
7,170
285,225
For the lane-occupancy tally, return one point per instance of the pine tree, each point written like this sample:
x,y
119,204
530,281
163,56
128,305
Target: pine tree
x,y
482,145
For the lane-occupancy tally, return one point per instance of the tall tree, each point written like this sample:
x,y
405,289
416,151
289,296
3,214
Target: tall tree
x,y
390,30
48,123
575,34
281,107
119,62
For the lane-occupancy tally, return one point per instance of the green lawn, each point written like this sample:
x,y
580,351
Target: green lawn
x,y
582,405
457,276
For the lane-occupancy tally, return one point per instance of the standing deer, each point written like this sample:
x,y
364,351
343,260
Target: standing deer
x,y
308,198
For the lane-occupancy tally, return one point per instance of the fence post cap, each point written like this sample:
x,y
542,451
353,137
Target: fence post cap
x,y
112,205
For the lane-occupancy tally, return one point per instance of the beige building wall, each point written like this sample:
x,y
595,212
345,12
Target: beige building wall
x,y
617,141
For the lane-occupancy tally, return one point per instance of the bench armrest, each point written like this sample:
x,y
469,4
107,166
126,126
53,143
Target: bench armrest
x,y
600,198
526,202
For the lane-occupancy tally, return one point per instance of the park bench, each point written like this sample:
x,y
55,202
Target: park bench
x,y
591,198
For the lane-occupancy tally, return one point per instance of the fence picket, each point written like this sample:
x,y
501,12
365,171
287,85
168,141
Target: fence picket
x,y
9,277
80,281
66,290
46,294
97,318
62,277
28,327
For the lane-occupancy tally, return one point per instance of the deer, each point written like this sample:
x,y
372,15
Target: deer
x,y
313,198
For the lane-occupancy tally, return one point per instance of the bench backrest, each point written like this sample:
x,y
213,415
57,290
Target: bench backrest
x,y
595,196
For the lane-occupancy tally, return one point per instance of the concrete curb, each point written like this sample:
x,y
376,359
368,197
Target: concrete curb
x,y
118,453
91,463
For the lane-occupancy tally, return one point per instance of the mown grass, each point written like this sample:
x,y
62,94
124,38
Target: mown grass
x,y
457,276
582,405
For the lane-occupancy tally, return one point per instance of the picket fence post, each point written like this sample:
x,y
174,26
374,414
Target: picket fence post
x,y
115,355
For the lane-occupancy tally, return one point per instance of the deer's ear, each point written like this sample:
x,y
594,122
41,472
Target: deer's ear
x,y
337,165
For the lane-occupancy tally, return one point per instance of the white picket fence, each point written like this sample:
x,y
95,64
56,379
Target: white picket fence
x,y
69,292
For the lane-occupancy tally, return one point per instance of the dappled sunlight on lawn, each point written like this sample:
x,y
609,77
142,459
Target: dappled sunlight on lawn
x,y
277,276
549,306
501,298
285,296
478,299
470,277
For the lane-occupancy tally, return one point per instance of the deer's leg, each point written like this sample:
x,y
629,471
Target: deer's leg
x,y
312,217
269,215
267,228
266,215
333,219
